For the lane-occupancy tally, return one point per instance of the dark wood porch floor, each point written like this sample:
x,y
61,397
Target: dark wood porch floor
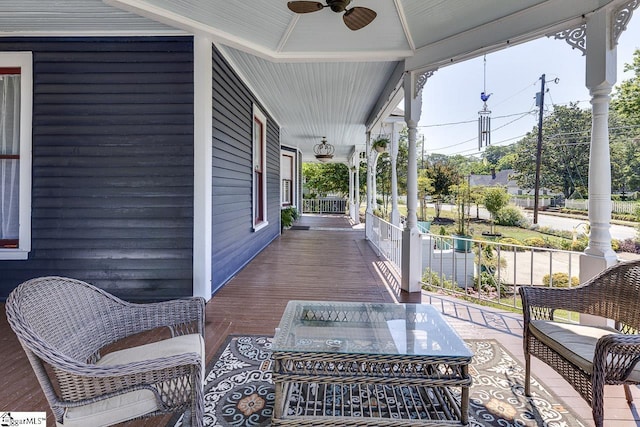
x,y
329,261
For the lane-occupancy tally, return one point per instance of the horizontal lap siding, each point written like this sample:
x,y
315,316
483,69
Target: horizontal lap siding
x,y
112,164
234,241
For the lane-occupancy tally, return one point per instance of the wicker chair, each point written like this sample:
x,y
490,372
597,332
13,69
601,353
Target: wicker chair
x,y
588,357
63,324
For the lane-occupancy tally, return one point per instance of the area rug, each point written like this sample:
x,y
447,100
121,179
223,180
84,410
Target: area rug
x,y
239,391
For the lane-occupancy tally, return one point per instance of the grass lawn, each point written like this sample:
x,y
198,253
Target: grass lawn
x,y
478,226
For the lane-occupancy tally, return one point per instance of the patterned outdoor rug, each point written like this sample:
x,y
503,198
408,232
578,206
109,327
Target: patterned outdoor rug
x,y
239,392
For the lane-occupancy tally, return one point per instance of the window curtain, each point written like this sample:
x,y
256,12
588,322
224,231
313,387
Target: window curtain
x,y
9,146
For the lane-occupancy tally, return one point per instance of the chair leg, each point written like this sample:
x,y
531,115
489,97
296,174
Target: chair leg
x,y
527,374
627,393
597,405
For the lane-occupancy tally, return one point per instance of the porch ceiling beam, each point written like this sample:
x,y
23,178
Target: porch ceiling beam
x,y
389,97
516,28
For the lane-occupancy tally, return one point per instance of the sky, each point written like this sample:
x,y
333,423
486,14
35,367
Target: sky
x,y
512,76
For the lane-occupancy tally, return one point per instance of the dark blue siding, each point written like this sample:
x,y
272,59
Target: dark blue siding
x,y
112,164
234,241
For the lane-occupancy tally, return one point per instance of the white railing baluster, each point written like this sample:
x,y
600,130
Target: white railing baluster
x,y
497,286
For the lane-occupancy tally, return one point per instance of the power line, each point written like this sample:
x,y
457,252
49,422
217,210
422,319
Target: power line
x,y
471,121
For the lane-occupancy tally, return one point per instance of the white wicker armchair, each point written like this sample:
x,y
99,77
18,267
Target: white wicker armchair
x,y
63,324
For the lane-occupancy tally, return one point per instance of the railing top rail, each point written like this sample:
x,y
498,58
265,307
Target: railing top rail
x,y
494,243
385,222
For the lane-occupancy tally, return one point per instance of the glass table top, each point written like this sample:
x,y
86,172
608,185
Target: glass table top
x,y
367,328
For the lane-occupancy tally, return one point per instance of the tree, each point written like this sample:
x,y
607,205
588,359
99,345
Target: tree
x,y
442,175
476,193
625,143
322,179
425,188
383,169
565,152
493,156
495,198
627,95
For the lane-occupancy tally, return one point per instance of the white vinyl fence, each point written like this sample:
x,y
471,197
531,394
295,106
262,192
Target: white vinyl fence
x,y
617,206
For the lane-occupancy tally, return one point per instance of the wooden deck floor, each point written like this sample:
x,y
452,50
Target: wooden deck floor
x,y
329,261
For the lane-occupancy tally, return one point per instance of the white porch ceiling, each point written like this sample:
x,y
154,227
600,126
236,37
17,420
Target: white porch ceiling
x,y
314,75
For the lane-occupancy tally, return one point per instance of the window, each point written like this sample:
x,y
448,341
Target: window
x,y
286,168
15,155
259,169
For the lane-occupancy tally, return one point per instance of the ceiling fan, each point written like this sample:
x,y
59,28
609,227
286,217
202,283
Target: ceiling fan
x,y
354,18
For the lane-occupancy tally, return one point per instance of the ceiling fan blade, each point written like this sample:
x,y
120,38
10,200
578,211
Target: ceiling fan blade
x,y
358,17
304,6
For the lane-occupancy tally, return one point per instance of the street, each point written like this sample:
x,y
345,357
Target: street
x,y
620,232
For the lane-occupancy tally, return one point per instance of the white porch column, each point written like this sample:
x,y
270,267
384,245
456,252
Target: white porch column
x,y
411,240
356,196
369,210
373,162
350,201
600,78
393,154
202,164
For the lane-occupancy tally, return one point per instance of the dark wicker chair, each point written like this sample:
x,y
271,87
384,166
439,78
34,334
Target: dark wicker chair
x,y
63,324
588,357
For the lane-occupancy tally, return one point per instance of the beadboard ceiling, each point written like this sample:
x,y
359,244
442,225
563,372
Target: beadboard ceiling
x,y
315,76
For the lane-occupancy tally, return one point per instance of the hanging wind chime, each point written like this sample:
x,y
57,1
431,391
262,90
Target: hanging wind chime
x,y
484,115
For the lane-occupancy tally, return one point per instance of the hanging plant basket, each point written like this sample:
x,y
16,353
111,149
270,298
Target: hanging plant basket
x,y
380,145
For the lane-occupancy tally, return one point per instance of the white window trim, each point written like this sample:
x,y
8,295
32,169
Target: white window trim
x,y
260,116
24,60
293,155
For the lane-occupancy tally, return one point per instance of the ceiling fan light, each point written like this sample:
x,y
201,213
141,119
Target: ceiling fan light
x,y
323,151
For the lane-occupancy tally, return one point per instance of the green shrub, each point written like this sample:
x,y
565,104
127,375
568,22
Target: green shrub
x,y
511,241
511,216
537,242
489,283
488,258
288,216
615,245
560,280
580,245
431,280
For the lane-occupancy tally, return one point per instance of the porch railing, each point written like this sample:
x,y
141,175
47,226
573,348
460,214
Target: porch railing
x,y
492,271
324,205
386,238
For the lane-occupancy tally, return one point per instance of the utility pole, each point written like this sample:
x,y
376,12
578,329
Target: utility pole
x,y
540,103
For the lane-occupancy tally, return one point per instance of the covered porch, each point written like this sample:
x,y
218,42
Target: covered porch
x,y
331,260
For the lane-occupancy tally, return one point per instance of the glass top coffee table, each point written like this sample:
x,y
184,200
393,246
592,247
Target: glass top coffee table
x,y
338,363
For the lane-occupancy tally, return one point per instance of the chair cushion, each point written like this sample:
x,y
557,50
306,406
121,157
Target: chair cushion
x,y
111,411
576,343
136,403
191,343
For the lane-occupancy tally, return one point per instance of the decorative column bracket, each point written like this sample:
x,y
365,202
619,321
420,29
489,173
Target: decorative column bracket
x,y
620,18
576,37
420,80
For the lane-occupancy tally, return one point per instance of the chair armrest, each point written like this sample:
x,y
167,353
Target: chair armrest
x,y
615,357
182,316
84,382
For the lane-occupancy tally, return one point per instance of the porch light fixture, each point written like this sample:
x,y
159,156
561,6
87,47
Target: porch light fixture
x,y
324,150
